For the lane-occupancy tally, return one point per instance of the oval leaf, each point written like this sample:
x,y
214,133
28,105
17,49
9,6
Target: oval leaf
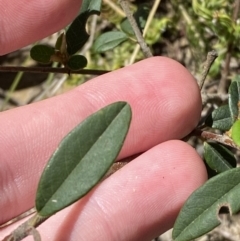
x,y
82,158
109,40
59,41
76,35
220,119
42,53
235,132
218,157
77,62
234,98
92,6
199,214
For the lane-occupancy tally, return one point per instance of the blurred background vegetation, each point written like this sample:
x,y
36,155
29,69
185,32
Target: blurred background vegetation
x,y
183,30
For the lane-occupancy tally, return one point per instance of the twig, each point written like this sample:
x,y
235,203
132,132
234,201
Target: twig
x,y
146,50
51,70
224,139
117,9
27,228
149,20
212,55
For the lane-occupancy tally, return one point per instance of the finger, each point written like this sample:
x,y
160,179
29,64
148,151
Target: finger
x,y
161,106
139,202
24,22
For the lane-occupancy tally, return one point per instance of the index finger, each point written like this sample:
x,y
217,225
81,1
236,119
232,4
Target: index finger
x,y
24,22
165,102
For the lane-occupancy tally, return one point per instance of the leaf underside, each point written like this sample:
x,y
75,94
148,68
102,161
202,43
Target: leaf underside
x,y
82,158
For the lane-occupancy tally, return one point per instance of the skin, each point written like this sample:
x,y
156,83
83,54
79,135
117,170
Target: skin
x,y
141,200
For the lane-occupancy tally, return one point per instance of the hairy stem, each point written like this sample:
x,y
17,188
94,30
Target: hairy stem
x,y
146,50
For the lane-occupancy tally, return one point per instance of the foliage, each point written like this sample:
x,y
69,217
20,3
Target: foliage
x,y
68,44
199,214
74,173
82,158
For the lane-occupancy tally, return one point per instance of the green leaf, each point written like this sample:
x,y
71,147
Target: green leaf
x,y
92,6
109,40
218,157
199,214
77,62
76,35
42,53
59,41
220,119
140,16
235,132
82,158
234,98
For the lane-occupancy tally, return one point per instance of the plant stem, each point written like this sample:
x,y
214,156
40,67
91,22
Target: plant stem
x,y
27,228
13,87
146,50
149,20
224,139
212,55
114,6
51,70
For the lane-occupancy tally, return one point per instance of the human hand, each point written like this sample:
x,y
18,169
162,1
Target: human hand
x,y
141,200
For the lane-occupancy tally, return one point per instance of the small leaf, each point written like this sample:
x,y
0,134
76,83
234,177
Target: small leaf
x,y
218,157
76,35
82,158
235,132
109,40
199,214
92,6
77,62
58,43
234,98
42,53
140,16
220,119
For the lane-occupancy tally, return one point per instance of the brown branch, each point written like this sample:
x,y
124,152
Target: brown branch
x,y
51,70
211,56
224,139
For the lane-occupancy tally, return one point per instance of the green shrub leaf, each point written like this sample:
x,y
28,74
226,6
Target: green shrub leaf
x,y
199,214
109,40
42,53
76,35
220,119
235,132
77,62
234,98
218,157
82,158
92,6
59,41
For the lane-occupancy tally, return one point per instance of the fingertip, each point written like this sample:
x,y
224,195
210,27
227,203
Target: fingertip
x,y
24,22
